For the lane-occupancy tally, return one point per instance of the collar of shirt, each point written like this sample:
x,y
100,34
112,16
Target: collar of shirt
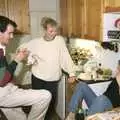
x,y
4,48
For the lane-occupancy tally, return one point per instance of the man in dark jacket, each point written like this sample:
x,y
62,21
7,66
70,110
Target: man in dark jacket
x,y
10,95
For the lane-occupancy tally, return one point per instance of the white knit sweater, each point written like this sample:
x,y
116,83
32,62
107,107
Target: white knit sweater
x,y
53,57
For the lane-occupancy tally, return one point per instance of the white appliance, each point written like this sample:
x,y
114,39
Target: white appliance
x,y
110,31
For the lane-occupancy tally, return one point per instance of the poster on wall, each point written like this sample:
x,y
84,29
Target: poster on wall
x,y
111,27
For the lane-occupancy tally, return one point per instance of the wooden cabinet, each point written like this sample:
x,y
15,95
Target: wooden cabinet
x,y
93,19
17,10
111,6
71,12
3,7
111,3
84,18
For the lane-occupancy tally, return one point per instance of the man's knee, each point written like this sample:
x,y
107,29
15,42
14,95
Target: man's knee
x,y
102,98
41,96
103,101
100,104
81,85
48,95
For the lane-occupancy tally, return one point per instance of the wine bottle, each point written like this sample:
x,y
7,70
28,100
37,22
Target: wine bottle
x,y
79,114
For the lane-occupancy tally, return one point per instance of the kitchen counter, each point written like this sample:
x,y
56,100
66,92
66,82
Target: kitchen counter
x,y
94,81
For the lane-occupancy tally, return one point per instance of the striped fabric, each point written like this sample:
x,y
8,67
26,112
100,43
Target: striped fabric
x,y
6,71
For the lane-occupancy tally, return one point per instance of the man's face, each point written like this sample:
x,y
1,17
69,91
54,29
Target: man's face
x,y
51,32
6,36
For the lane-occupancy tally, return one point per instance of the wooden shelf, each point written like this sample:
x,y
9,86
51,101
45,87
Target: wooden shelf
x,y
111,9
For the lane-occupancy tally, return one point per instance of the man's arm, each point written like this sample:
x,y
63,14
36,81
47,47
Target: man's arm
x,y
6,71
66,62
12,67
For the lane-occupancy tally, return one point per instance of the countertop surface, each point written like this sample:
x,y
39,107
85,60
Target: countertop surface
x,y
94,81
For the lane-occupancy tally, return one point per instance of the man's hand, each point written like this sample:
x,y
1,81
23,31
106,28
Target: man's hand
x,y
21,55
72,79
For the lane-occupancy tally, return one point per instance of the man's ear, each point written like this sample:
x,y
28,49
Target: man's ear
x,y
0,34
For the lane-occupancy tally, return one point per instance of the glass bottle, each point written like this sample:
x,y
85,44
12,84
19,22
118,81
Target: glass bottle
x,y
79,114
99,71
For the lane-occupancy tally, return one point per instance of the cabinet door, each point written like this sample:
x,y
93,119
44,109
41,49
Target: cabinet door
x,y
66,8
81,18
3,7
78,18
63,17
72,17
112,3
93,19
16,10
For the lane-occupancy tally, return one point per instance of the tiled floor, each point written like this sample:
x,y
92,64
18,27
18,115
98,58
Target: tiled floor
x,y
53,116
56,117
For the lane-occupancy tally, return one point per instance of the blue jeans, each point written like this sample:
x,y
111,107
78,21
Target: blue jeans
x,y
95,103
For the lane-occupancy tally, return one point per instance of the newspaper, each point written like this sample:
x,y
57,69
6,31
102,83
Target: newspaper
x,y
109,115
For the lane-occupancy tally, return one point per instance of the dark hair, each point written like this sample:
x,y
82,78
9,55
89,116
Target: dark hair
x,y
4,22
47,20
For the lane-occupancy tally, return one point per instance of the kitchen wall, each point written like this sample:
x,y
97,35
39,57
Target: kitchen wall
x,y
38,9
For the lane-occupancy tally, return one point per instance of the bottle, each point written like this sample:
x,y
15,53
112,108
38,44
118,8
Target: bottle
x,y
99,70
79,114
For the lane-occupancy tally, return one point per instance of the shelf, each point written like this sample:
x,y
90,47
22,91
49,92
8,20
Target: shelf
x,y
111,9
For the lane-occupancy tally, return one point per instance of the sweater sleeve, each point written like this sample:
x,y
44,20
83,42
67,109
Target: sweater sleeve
x,y
12,67
6,71
65,59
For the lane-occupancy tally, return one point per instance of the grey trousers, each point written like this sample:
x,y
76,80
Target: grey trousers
x,y
11,97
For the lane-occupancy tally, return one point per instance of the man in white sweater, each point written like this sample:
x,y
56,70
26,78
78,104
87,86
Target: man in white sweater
x,y
49,56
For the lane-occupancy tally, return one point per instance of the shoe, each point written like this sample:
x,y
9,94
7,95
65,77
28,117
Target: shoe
x,y
71,116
